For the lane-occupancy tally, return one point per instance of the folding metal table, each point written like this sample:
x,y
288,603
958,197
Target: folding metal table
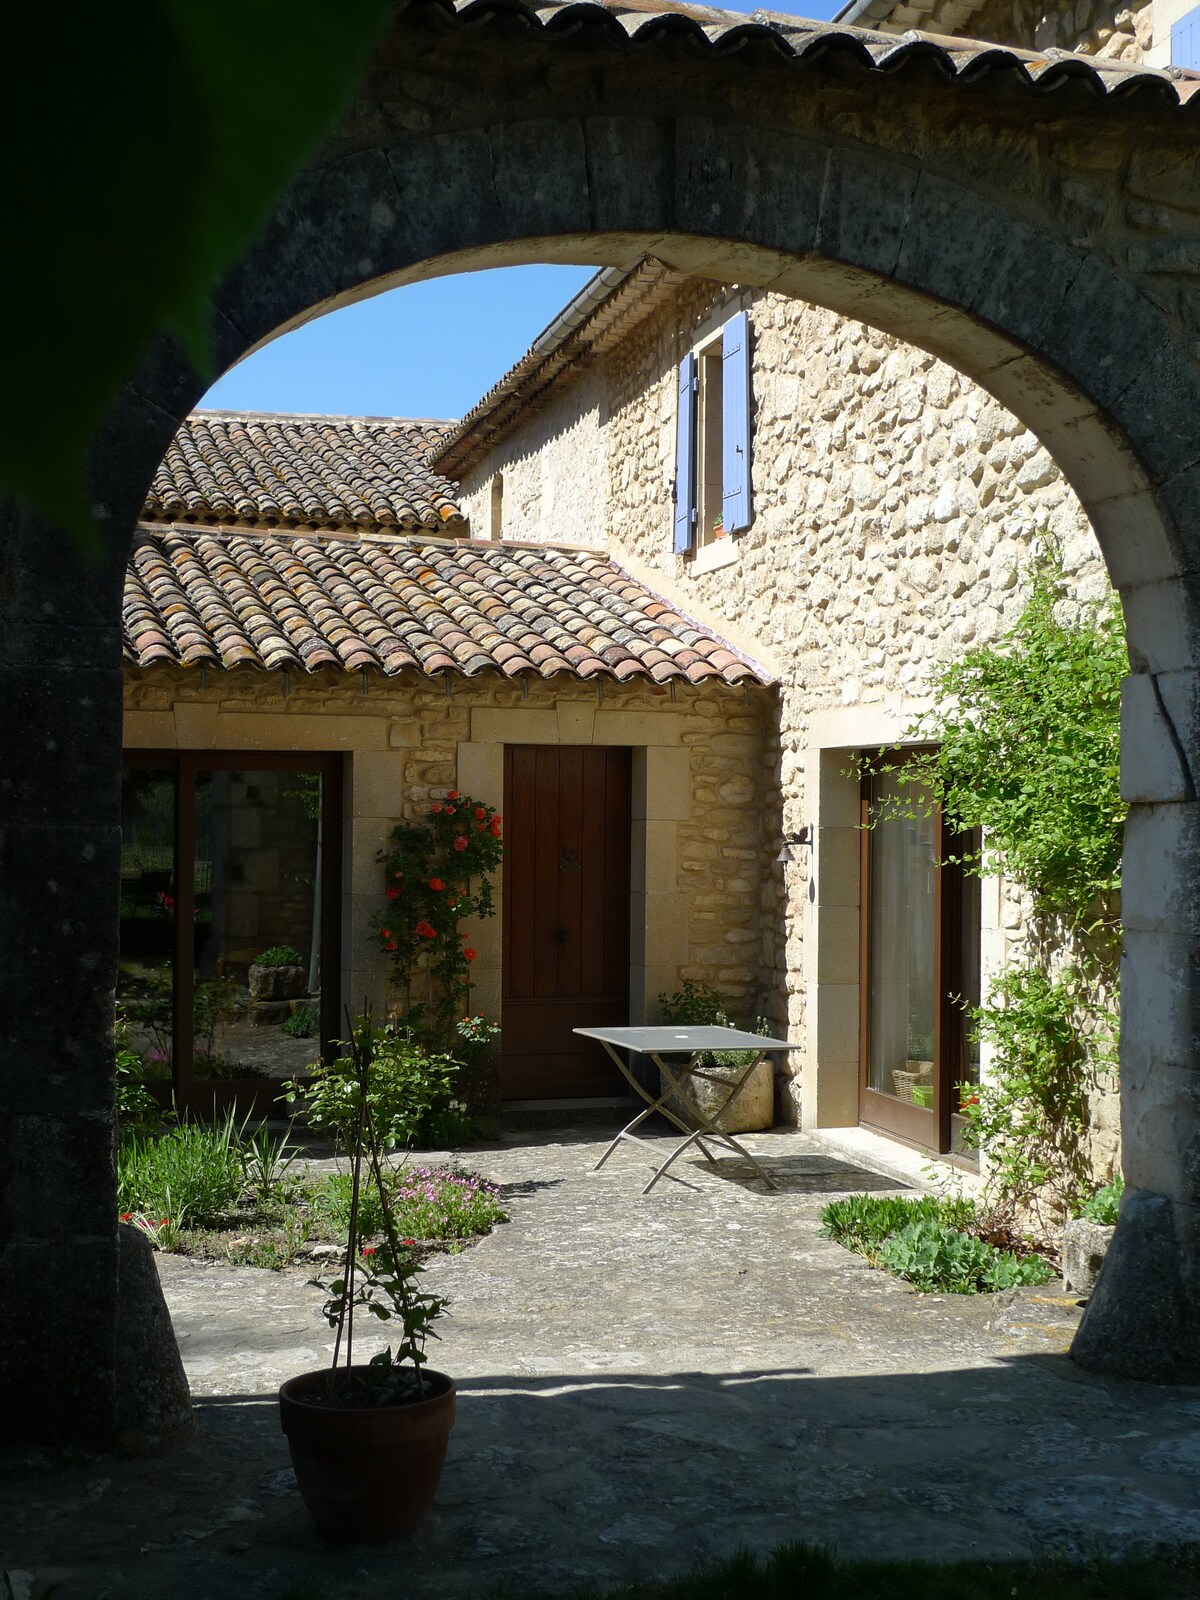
x,y
659,1045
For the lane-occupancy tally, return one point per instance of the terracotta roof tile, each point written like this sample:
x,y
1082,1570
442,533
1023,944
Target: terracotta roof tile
x,y
274,600
354,473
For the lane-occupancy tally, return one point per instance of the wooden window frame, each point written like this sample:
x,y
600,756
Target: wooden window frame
x,y
215,1095
929,1130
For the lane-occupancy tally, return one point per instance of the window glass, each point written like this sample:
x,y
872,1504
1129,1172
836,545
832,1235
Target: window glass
x,y
146,969
710,402
258,849
902,923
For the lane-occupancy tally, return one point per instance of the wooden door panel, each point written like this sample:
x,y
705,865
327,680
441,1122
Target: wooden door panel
x,y
566,916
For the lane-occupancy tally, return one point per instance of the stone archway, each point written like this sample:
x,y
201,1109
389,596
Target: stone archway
x,y
1036,224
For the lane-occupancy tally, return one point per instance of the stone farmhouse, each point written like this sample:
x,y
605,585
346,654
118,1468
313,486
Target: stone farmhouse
x,y
653,596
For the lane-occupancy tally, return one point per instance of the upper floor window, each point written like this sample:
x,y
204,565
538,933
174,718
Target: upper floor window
x,y
712,455
1185,40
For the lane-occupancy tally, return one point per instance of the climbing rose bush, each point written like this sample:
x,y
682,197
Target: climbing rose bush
x,y
436,873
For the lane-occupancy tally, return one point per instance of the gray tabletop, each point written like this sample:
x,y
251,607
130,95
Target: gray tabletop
x,y
683,1040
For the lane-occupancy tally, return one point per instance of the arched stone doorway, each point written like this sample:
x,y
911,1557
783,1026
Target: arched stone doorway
x,y
1033,223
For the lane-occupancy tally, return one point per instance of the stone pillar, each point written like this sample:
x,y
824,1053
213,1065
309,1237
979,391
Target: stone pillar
x,y
60,842
1143,1319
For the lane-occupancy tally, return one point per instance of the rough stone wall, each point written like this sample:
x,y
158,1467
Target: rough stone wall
x,y
1111,28
894,504
554,473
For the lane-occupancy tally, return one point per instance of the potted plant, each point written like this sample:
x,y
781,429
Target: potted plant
x,y
720,1072
368,1440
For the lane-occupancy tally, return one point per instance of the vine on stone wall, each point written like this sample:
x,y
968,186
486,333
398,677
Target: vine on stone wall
x,y
1025,753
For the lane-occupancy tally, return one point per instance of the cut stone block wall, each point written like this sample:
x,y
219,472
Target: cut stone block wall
x,y
698,806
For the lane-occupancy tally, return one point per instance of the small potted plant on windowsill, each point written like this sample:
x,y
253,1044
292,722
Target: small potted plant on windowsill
x,y
368,1440
718,525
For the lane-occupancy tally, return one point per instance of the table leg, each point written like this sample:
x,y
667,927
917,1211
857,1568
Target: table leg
x,y
708,1129
651,1107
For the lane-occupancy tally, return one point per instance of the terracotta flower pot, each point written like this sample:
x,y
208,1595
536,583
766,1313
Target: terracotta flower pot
x,y
366,1472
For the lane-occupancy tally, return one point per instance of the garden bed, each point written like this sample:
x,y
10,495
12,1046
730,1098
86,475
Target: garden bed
x,y
214,1193
940,1246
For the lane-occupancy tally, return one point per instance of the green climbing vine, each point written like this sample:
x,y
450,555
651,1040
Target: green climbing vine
x,y
1024,750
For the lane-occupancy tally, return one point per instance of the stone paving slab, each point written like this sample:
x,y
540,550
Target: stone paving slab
x,y
643,1380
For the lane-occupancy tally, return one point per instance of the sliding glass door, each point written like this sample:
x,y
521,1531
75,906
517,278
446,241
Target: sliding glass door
x,y
229,919
919,964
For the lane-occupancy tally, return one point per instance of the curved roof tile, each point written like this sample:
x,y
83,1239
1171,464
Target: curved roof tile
x,y
275,599
723,32
359,473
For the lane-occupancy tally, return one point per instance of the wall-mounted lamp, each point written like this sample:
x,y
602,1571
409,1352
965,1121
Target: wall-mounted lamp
x,y
793,843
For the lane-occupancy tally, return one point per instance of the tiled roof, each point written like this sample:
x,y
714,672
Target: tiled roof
x,y
271,600
360,473
644,22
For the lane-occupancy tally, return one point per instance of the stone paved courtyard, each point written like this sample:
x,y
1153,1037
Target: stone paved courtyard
x,y
642,1381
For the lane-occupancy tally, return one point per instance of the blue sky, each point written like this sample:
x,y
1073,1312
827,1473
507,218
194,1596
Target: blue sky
x,y
428,350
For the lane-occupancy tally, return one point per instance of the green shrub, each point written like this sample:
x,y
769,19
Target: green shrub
x,y
698,1005
190,1174
137,1109
303,1023
427,1203
928,1241
861,1222
436,1203
942,1260
1105,1203
408,1085
279,955
331,1197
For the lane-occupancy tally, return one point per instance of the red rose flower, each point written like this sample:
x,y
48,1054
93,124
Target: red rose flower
x,y
391,945
450,810
385,933
496,826
482,826
480,813
435,810
392,892
426,932
436,884
452,794
460,843
468,955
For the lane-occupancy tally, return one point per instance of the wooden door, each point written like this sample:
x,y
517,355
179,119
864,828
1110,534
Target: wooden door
x,y
566,917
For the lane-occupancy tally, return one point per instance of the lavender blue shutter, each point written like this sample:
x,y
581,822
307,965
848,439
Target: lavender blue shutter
x,y
735,423
685,455
1185,40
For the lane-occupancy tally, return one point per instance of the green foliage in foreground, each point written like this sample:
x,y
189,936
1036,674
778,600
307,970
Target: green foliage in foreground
x,y
929,1242
196,115
803,1572
1105,1203
191,1174
941,1260
1028,746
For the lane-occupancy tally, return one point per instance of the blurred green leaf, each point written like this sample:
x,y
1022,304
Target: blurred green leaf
x,y
145,145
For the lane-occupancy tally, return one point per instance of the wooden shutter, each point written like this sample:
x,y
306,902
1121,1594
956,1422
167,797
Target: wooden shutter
x,y
1185,40
685,456
735,423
